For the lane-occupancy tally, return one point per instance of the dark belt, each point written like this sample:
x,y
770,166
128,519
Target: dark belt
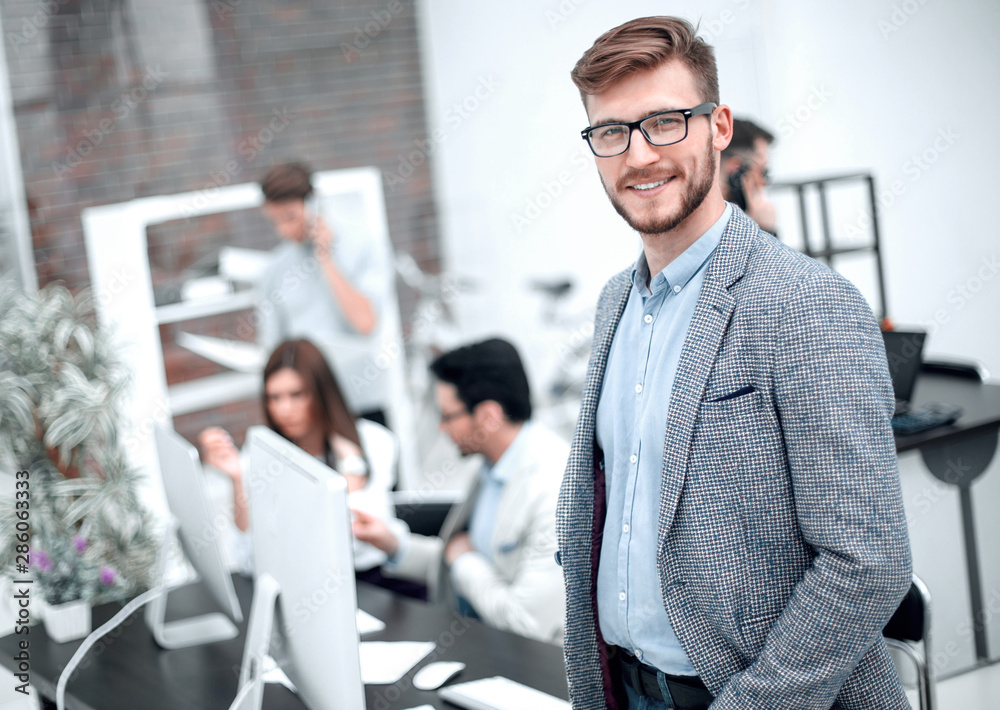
x,y
687,692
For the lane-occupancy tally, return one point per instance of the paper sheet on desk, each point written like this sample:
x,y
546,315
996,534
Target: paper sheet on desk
x,y
384,662
368,624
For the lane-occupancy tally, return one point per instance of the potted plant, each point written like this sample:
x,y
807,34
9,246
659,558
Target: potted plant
x,y
70,578
61,418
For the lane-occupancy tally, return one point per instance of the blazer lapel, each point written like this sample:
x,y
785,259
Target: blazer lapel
x,y
460,512
701,346
576,498
599,362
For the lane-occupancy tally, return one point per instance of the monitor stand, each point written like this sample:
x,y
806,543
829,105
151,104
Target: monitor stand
x,y
250,695
182,633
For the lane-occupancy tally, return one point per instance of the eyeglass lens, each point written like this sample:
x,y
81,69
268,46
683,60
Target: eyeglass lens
x,y
659,129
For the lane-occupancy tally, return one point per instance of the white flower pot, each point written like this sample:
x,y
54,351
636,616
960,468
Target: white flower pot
x,y
67,622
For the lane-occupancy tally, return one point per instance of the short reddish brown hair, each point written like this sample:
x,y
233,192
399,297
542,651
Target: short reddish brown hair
x,y
646,43
286,182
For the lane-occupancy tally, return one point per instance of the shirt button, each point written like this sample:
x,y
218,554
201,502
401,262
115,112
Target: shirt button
x,y
677,289
621,595
625,528
648,318
633,458
638,389
638,653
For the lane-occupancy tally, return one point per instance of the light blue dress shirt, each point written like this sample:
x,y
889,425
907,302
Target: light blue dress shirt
x,y
631,420
492,479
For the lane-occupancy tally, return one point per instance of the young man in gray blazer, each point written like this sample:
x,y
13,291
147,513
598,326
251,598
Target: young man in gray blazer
x,y
730,524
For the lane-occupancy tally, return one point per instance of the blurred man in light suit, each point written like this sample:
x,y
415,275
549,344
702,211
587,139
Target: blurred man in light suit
x,y
497,546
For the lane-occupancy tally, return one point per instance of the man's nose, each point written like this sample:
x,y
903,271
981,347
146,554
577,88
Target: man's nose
x,y
640,153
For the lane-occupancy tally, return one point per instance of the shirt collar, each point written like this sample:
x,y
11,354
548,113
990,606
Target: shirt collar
x,y
682,269
508,461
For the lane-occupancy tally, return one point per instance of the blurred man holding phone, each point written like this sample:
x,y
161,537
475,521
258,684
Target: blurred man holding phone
x,y
319,284
744,174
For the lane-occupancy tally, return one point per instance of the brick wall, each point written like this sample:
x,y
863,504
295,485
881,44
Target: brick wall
x,y
119,99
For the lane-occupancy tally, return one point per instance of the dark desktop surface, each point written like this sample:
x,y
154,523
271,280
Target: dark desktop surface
x,y
127,670
958,454
980,405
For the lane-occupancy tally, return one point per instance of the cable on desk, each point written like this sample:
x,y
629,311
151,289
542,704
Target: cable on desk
x,y
96,636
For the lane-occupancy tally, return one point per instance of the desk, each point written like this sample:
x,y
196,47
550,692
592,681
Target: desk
x,y
957,455
127,670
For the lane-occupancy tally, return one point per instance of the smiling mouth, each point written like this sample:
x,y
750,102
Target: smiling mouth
x,y
651,185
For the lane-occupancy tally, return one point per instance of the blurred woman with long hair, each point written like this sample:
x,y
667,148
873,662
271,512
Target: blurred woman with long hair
x,y
303,402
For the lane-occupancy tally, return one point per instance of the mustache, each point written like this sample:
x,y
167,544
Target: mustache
x,y
639,177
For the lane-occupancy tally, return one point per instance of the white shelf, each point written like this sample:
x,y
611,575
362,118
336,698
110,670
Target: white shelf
x,y
213,391
204,307
118,258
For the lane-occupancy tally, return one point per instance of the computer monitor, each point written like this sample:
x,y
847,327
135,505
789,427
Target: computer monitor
x,y
305,601
904,352
200,538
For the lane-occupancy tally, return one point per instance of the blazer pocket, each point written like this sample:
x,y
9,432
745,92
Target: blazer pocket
x,y
741,392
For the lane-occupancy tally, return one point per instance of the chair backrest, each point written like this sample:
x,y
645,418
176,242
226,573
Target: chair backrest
x,y
911,620
424,518
964,370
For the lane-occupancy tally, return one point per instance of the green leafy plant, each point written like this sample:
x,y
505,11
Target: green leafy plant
x,y
61,387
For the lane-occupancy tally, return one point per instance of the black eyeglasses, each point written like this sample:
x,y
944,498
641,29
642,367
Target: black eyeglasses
x,y
445,418
664,128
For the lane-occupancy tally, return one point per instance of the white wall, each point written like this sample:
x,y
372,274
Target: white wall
x,y
880,93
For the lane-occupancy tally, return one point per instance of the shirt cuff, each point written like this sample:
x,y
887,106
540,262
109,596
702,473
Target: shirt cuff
x,y
466,570
402,548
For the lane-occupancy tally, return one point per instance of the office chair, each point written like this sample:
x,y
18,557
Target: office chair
x,y
422,517
963,370
908,631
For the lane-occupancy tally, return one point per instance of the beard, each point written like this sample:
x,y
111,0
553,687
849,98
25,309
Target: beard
x,y
699,187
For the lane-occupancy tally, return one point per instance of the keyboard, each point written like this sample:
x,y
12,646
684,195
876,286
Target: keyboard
x,y
929,416
499,693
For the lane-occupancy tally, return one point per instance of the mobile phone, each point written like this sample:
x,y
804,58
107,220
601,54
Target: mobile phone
x,y
311,216
736,194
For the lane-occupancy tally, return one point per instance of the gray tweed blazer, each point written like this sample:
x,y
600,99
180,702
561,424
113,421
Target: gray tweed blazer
x,y
783,547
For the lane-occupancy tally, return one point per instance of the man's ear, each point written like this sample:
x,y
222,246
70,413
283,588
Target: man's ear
x,y
489,413
722,127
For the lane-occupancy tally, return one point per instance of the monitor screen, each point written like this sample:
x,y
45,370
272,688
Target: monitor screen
x,y
904,353
201,539
302,543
